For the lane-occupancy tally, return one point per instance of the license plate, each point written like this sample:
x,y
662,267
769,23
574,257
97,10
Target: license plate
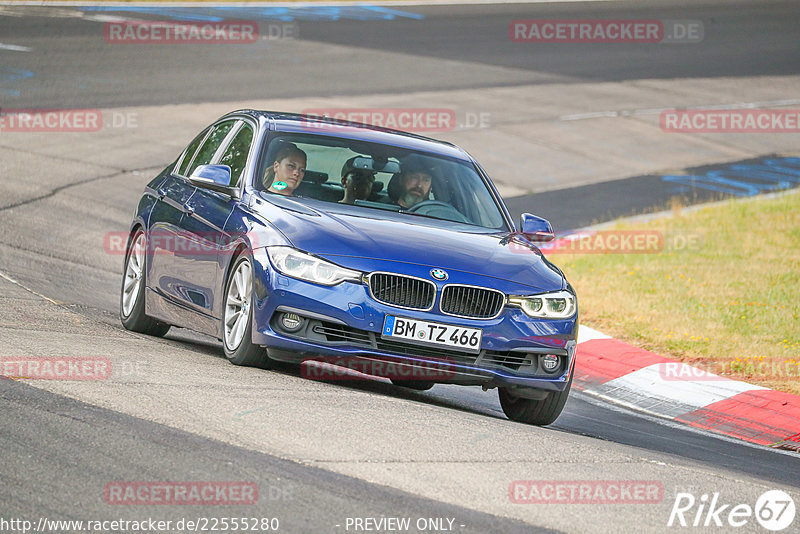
x,y
432,334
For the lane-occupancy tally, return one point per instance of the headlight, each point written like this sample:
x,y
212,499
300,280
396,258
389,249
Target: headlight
x,y
555,305
296,264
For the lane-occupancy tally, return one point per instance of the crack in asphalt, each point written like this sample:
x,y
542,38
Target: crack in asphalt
x,y
54,156
60,188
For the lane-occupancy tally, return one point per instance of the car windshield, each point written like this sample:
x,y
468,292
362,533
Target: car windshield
x,y
357,175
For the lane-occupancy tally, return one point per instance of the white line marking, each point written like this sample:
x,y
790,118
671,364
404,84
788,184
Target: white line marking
x,y
652,383
15,48
106,18
587,334
29,290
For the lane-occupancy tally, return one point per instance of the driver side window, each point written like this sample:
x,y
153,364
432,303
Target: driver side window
x,y
210,146
190,151
235,156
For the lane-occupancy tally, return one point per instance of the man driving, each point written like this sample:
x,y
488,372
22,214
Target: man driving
x,y
413,184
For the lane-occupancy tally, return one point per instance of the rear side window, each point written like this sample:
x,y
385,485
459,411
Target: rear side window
x,y
235,155
210,146
187,158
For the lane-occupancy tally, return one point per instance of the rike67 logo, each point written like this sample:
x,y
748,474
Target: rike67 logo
x,y
774,510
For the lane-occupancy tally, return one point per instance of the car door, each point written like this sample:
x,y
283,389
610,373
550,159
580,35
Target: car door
x,y
178,273
204,223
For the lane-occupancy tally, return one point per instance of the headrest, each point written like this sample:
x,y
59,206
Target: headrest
x,y
394,187
315,177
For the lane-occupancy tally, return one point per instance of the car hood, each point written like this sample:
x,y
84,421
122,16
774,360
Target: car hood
x,y
408,239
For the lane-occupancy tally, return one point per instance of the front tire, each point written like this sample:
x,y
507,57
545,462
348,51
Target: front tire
x,y
134,286
237,317
531,411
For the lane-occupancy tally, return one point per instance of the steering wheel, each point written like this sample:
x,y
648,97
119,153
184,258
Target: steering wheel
x,y
439,209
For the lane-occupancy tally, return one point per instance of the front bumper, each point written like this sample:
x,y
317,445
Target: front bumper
x,y
344,322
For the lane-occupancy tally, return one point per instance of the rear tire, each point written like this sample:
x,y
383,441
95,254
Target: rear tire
x,y
237,317
531,411
418,385
134,286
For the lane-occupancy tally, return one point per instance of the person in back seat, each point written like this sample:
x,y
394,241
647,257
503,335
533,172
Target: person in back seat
x,y
357,183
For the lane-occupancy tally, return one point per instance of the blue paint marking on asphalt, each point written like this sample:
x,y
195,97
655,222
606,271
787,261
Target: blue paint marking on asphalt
x,y
285,14
390,14
743,180
12,75
9,76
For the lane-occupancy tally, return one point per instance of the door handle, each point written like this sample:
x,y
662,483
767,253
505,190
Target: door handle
x,y
189,209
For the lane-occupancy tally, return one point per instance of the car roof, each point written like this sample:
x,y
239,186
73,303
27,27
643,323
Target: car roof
x,y
298,123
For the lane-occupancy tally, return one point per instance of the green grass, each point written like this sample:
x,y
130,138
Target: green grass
x,y
730,305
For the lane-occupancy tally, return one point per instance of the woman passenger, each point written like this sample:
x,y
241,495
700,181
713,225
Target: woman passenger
x,y
287,171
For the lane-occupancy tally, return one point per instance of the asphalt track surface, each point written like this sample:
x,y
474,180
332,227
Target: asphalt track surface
x,y
640,195
101,442
57,451
741,39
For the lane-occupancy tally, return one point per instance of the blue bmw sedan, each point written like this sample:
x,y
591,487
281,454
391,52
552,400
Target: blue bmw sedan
x,y
334,244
